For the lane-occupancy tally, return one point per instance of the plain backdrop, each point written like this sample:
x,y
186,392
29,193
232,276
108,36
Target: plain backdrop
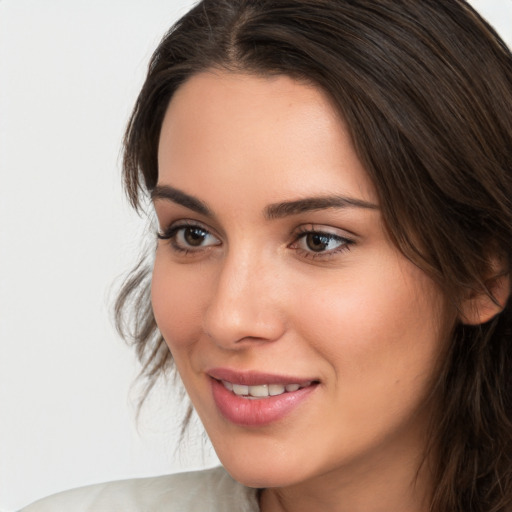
x,y
70,71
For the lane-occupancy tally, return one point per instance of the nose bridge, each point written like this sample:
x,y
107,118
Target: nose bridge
x,y
243,303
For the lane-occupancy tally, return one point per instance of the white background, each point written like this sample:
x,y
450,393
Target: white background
x,y
69,74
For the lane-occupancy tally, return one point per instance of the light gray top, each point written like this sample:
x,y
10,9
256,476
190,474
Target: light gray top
x,y
211,490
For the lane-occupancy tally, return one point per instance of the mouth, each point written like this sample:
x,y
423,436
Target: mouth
x,y
254,399
263,390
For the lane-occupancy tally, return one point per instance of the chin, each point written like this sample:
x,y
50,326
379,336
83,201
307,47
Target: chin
x,y
260,478
263,473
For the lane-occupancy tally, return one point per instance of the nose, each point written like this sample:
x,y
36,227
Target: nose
x,y
244,305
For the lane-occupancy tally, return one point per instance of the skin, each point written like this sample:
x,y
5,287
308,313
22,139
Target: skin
x,y
357,317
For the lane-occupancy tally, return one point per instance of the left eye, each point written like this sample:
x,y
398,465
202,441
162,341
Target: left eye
x,y
189,237
319,242
194,237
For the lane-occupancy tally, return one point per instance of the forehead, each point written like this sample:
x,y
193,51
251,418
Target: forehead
x,y
246,130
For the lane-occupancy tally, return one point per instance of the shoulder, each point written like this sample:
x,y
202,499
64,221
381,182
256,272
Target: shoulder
x,y
212,490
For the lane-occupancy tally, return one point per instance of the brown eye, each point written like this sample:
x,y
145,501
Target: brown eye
x,y
317,242
194,236
312,243
189,237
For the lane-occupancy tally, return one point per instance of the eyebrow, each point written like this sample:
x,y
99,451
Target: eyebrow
x,y
272,211
284,209
179,197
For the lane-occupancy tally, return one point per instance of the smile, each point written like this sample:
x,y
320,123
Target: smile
x,y
254,399
263,390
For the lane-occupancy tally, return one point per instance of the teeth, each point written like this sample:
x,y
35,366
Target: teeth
x,y
258,391
263,390
275,389
238,389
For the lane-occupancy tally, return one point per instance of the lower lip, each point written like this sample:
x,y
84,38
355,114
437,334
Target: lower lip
x,y
257,412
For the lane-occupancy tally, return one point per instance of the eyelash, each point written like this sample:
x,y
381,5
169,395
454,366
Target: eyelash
x,y
173,231
305,231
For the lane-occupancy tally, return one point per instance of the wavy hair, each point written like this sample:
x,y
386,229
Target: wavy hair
x,y
425,88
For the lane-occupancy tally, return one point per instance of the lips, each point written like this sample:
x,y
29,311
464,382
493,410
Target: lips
x,y
253,399
263,390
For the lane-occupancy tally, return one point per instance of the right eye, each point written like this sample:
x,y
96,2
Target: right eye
x,y
189,237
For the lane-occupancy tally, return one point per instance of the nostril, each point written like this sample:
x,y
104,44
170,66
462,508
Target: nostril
x,y
241,326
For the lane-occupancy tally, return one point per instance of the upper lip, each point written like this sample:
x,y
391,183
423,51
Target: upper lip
x,y
255,378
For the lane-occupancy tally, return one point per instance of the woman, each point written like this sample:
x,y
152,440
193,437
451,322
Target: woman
x,y
332,183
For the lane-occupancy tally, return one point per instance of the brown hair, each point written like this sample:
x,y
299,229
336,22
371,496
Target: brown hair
x,y
425,88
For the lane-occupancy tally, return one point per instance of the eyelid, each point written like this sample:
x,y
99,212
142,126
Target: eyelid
x,y
166,233
324,229
342,239
178,244
347,239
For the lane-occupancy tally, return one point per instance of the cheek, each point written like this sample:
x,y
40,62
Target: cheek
x,y
177,300
379,329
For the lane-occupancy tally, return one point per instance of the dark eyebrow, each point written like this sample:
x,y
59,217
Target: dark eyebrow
x,y
179,197
273,211
278,210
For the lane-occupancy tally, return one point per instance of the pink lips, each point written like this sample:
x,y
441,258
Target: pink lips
x,y
254,412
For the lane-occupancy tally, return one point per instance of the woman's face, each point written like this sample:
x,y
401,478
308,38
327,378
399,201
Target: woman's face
x,y
306,341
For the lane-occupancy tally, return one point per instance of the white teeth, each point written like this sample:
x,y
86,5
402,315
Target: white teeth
x,y
263,390
241,390
258,391
276,389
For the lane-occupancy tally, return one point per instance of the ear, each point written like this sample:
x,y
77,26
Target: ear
x,y
480,307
